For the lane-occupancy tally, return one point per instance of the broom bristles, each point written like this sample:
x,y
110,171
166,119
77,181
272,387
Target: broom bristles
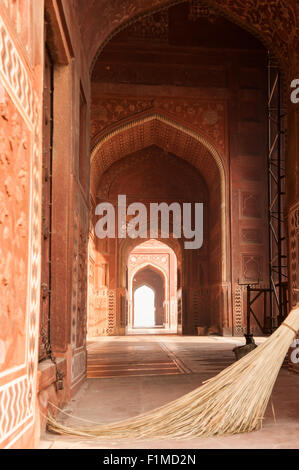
x,y
233,401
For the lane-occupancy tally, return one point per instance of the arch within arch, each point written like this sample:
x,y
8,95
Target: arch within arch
x,y
154,267
168,274
186,143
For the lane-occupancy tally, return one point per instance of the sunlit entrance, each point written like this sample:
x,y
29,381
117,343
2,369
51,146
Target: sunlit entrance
x,y
144,307
152,289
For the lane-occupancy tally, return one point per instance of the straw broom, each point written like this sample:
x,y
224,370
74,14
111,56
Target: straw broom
x,y
234,401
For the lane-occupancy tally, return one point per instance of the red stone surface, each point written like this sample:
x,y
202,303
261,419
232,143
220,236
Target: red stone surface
x,y
20,153
14,195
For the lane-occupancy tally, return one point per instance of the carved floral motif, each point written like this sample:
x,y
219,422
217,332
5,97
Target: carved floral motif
x,y
206,116
14,215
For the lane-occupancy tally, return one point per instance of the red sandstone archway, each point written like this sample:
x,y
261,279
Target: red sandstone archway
x,y
247,18
154,128
160,258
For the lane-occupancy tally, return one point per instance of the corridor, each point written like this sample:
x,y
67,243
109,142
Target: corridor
x,y
151,145
146,372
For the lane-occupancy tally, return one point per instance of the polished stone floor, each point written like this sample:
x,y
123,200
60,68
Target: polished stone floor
x,y
133,374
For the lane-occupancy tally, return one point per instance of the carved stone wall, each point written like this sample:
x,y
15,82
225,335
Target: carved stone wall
x,y
293,253
80,230
20,185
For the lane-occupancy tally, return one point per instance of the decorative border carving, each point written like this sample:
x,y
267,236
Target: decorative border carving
x,y
112,320
17,398
238,323
15,76
78,366
294,252
15,406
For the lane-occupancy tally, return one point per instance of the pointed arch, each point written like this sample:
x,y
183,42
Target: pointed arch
x,y
155,128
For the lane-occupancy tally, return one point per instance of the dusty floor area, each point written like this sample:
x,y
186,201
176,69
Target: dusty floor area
x,y
133,374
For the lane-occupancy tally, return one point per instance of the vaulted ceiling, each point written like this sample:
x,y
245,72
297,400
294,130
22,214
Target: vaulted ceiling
x,y
275,22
